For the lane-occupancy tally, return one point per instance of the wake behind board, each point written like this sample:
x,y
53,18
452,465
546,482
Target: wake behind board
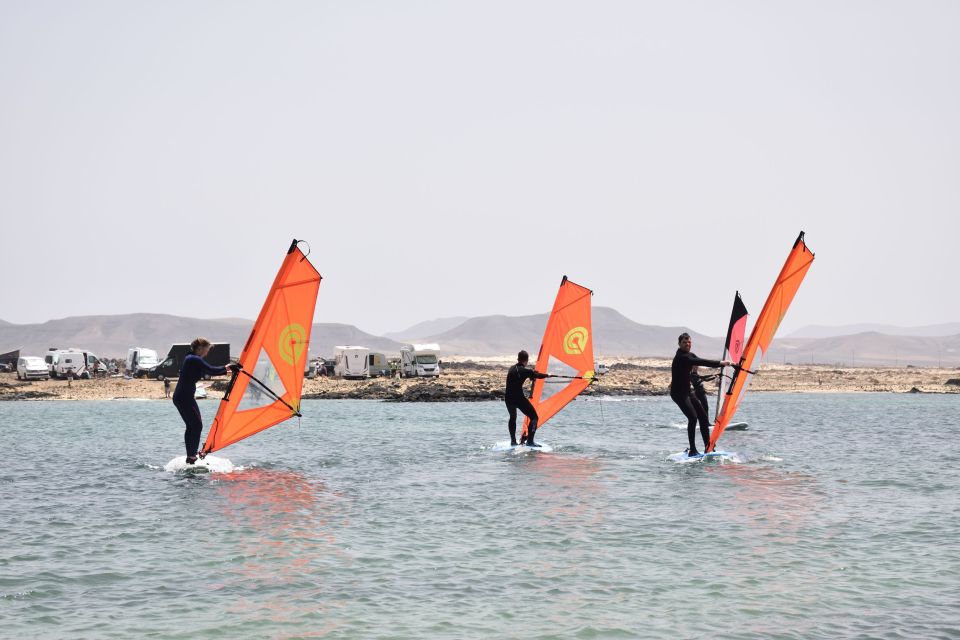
x,y
504,445
717,456
210,464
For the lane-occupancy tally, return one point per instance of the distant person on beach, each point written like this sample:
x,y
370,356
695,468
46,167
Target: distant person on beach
x,y
515,399
166,387
192,371
682,392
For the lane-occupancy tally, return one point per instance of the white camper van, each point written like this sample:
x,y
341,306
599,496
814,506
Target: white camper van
x,y
66,362
140,360
31,368
419,360
351,362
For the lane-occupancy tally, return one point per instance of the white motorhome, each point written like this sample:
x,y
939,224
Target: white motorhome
x,y
66,362
140,360
351,362
419,360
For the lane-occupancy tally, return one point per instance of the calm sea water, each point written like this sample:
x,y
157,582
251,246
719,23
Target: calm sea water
x,y
384,520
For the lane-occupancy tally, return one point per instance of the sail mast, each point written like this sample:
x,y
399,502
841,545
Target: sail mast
x,y
781,295
566,352
268,388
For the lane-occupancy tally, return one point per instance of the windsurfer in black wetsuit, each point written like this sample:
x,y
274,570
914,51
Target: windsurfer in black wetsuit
x,y
684,395
192,371
516,399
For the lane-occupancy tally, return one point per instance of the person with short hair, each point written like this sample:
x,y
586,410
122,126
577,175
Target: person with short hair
x,y
192,370
683,393
516,399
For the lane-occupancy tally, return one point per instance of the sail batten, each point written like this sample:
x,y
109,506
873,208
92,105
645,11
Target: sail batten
x,y
275,352
566,351
774,309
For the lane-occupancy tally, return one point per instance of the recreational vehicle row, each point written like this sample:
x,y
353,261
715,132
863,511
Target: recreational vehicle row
x,y
356,363
65,363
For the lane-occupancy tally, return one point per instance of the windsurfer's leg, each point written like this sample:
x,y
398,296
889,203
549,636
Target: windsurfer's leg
x,y
531,413
512,423
190,413
701,406
688,411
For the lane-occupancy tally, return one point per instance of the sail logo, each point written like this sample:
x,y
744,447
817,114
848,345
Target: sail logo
x,y
575,342
293,341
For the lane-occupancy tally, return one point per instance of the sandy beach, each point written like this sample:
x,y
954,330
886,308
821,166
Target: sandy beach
x,y
470,380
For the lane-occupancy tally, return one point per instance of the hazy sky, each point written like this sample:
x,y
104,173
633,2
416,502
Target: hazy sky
x,y
454,158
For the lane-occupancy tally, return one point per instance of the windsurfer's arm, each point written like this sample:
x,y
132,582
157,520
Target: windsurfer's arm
x,y
713,364
211,370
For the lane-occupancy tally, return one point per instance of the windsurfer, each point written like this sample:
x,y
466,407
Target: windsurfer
x,y
515,399
684,395
192,371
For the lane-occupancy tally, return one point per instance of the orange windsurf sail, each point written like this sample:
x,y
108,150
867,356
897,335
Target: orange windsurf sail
x,y
782,294
566,352
266,391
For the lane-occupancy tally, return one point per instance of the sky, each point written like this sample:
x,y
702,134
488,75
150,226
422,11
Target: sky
x,y
458,158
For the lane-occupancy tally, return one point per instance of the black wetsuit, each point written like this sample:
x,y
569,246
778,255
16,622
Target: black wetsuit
x,y
682,393
700,392
515,399
193,369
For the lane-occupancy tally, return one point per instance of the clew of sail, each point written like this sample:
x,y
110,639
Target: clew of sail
x,y
566,352
732,346
782,294
267,390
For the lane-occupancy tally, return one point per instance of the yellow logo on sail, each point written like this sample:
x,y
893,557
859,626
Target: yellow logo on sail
x,y
292,343
575,342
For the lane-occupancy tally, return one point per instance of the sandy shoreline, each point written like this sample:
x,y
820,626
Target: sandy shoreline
x,y
465,381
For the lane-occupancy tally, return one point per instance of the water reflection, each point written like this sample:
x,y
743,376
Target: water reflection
x,y
283,525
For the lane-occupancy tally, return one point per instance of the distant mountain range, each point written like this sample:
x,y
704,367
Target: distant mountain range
x,y
111,336
495,335
613,333
426,328
826,331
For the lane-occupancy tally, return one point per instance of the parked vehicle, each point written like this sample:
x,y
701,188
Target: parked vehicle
x,y
378,365
9,360
601,369
32,368
351,362
140,360
219,356
95,366
419,360
64,363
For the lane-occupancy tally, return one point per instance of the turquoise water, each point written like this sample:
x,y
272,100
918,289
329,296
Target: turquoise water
x,y
384,520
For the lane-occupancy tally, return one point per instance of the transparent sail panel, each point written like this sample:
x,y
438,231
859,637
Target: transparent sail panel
x,y
553,385
255,395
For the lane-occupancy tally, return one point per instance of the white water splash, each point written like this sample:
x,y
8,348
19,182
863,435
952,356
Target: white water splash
x,y
210,464
504,445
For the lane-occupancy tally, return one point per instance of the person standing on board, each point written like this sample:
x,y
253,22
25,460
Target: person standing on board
x,y
192,370
681,391
515,399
